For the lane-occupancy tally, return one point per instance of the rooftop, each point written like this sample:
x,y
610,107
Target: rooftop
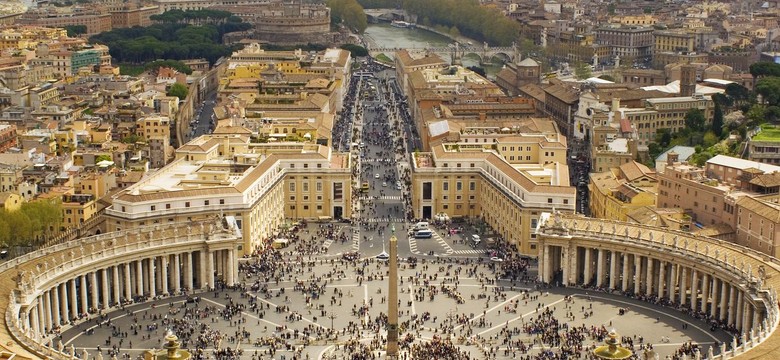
x,y
768,133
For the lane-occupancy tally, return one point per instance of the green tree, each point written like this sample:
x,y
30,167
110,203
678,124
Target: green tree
x,y
694,120
769,89
349,13
710,138
764,68
717,121
454,32
178,90
355,50
75,30
582,71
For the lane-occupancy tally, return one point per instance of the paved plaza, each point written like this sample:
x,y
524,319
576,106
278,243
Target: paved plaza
x,y
321,306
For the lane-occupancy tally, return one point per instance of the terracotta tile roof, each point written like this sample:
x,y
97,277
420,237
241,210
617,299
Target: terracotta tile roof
x,y
767,180
562,92
633,170
765,206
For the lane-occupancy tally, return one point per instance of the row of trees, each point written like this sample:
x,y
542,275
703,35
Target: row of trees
x,y
471,19
35,220
170,40
204,16
349,13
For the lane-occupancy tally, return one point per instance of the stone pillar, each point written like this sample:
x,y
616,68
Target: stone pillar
x,y
105,290
84,296
230,276
740,311
164,274
705,292
546,264
65,315
47,310
41,315
683,284
139,277
626,274
217,265
733,292
55,306
188,275
613,270
649,278
661,279
74,296
672,282
637,273
116,286
176,273
210,270
202,270
565,266
151,275
93,289
724,290
128,283
588,272
694,290
600,269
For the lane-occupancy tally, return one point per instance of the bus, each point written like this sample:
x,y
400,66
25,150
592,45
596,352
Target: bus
x,y
364,187
423,234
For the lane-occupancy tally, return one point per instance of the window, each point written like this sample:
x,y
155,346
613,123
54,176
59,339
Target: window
x,y
305,207
472,185
206,203
319,186
427,190
167,206
445,185
154,208
292,207
458,186
549,200
565,201
222,201
305,186
319,207
187,204
292,186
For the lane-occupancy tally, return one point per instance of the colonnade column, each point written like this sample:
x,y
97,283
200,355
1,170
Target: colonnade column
x,y
94,297
600,269
210,270
588,275
661,278
104,289
740,310
672,282
202,270
152,275
47,307
683,284
694,290
649,279
139,278
55,306
637,273
128,283
705,292
724,289
83,296
732,318
65,315
230,266
116,286
176,273
624,284
164,274
613,270
42,315
188,271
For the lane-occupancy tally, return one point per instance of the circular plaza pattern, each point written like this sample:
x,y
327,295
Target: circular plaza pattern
x,y
123,291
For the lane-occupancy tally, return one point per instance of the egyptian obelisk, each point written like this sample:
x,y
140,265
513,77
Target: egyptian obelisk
x,y
392,303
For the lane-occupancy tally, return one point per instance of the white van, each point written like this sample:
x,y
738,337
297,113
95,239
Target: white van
x,y
421,226
475,239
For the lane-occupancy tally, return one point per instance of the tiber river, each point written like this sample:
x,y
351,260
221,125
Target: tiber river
x,y
384,35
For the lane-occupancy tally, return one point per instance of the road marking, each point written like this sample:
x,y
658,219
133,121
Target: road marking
x,y
327,243
356,239
411,298
519,317
447,248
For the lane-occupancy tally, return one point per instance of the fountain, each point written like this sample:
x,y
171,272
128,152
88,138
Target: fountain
x,y
171,352
611,348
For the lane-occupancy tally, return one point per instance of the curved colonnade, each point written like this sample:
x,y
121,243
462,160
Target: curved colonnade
x,y
721,281
51,288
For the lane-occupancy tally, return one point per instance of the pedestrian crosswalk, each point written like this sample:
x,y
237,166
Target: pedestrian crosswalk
x,y
468,251
356,240
385,220
327,244
386,197
440,240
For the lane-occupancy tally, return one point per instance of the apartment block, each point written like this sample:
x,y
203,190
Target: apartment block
x,y
474,181
619,191
259,184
